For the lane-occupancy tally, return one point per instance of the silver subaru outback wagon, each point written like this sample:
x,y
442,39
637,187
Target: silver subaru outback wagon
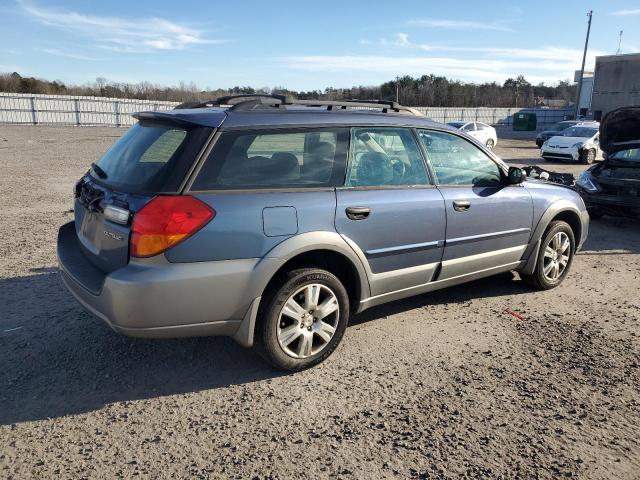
x,y
273,221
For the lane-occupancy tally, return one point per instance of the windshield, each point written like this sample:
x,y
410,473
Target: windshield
x,y
456,124
628,157
584,132
148,158
559,127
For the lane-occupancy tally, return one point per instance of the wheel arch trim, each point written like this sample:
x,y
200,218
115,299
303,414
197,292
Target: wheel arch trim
x,y
557,208
287,250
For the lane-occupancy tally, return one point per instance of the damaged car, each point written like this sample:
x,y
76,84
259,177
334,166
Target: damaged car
x,y
556,129
579,143
613,186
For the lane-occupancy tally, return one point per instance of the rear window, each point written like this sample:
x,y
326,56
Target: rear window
x,y
275,159
150,158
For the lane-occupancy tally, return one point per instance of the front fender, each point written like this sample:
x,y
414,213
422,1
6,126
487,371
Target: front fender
x,y
555,209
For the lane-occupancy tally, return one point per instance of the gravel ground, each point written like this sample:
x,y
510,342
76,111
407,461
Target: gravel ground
x,y
444,385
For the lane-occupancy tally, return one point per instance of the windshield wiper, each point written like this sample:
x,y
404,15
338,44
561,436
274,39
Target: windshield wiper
x,y
101,173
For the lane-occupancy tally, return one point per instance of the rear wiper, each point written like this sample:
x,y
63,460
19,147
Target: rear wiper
x,y
101,173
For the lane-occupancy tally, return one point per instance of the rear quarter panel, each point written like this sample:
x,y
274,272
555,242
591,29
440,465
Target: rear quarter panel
x,y
248,224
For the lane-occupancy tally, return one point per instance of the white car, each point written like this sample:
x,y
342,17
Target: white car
x,y
578,143
482,132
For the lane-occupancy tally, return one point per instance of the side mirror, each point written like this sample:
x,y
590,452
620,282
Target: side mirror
x,y
515,176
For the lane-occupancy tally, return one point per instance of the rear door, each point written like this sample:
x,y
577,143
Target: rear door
x,y
149,158
265,185
389,209
488,223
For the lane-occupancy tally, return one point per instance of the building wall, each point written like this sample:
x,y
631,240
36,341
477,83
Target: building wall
x,y
616,83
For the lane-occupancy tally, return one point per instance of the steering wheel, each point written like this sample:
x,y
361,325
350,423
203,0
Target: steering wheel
x,y
398,166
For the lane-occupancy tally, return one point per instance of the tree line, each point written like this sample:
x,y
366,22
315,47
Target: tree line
x,y
424,91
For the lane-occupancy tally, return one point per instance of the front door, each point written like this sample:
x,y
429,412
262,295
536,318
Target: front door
x,y
389,210
488,223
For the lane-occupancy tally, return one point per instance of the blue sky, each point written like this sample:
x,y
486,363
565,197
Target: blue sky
x,y
307,45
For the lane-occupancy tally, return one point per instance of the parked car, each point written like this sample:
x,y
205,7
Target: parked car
x,y
274,221
556,129
613,186
482,132
578,143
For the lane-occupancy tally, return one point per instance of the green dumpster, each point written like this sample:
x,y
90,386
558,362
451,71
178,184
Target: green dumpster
x,y
525,122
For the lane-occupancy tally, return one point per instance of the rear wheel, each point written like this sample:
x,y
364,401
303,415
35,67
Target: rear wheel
x,y
588,157
302,319
490,144
554,258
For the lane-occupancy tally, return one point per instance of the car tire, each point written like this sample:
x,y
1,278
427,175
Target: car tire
x,y
490,144
588,157
545,277
293,293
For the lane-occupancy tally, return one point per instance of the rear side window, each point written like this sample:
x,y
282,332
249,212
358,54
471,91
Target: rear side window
x,y
274,159
150,158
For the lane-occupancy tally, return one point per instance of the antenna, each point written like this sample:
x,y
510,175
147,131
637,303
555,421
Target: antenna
x,y
619,52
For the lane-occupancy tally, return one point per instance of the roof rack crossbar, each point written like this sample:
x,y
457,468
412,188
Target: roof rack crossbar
x,y
235,100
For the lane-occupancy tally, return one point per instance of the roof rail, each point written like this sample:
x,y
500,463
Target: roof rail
x,y
385,105
258,101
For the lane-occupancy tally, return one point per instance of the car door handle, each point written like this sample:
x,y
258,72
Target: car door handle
x,y
358,213
461,205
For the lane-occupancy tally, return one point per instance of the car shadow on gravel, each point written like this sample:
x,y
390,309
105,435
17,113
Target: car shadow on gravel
x,y
58,360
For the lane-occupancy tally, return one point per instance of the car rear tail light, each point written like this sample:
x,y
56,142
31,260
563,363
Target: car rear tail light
x,y
166,221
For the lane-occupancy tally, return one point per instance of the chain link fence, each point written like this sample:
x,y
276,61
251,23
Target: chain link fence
x,y
16,108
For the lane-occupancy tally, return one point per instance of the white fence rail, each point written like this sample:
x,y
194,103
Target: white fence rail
x,y
68,110
16,108
494,116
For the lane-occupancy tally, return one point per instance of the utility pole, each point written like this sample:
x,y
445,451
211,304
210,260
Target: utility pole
x,y
397,89
584,59
619,52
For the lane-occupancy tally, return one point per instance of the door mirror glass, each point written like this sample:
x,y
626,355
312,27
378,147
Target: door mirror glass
x,y
515,176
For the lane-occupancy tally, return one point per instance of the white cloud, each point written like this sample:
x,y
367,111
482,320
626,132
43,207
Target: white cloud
x,y
61,53
546,58
460,24
458,68
626,13
115,33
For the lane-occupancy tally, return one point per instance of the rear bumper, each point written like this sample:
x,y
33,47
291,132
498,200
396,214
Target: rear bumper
x,y
155,298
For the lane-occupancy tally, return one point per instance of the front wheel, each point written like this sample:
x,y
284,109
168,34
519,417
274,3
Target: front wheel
x,y
588,157
490,144
302,319
554,258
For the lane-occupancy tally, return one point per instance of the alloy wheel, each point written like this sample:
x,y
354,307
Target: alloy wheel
x,y
308,320
556,256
